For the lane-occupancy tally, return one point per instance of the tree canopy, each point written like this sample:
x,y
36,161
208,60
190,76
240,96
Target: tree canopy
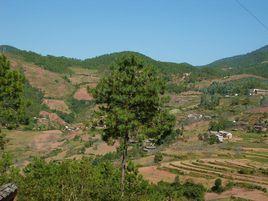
x,y
89,179
12,104
131,99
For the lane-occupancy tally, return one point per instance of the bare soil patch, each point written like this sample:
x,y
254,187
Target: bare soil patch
x,y
155,175
46,141
83,75
83,94
25,144
50,83
254,195
101,148
52,117
80,79
201,125
58,105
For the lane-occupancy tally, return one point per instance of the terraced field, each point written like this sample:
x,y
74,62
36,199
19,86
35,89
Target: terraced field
x,y
210,169
83,76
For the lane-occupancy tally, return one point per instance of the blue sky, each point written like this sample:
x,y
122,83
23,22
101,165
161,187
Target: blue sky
x,y
193,31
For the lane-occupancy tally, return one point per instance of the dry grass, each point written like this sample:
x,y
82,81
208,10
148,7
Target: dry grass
x,y
52,117
24,144
58,105
82,75
101,148
50,83
211,169
154,175
206,83
253,195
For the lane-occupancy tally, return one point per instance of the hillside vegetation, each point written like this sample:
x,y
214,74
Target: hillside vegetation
x,y
74,119
61,64
255,62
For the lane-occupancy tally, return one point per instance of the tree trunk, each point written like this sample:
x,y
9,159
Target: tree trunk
x,y
123,165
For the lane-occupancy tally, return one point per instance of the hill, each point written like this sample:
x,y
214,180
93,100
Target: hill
x,y
255,62
65,80
62,126
61,64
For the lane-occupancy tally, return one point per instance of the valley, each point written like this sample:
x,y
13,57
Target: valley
x,y
63,123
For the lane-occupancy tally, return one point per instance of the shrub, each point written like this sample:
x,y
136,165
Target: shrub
x,y
213,139
194,191
229,185
209,101
263,171
220,124
246,171
250,186
88,144
89,179
217,186
158,157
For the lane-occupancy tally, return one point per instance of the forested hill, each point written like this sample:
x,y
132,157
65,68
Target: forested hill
x,y
107,59
255,62
61,64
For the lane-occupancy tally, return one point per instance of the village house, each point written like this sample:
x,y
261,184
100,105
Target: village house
x,y
259,92
149,145
222,135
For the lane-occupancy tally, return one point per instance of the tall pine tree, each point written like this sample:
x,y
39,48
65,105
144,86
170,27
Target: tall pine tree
x,y
131,102
12,107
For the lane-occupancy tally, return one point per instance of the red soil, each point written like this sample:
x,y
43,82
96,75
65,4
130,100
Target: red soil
x,y
254,195
46,141
154,175
52,117
59,105
82,94
50,83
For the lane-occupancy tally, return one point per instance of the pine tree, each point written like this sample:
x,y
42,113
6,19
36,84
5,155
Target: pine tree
x,y
12,107
132,105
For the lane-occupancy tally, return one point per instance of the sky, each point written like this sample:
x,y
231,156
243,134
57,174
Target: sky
x,y
193,31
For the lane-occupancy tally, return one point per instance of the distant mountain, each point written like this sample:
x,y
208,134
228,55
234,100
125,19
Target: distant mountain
x,y
255,62
7,48
61,64
168,67
243,61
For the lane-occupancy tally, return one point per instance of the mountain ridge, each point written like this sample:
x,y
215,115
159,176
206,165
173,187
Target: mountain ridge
x,y
61,63
255,62
260,53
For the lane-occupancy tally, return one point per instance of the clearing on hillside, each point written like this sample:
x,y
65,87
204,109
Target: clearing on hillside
x,y
50,83
83,94
52,117
25,144
206,83
83,76
58,105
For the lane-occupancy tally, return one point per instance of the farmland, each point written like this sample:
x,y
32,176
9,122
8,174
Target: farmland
x,y
64,128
